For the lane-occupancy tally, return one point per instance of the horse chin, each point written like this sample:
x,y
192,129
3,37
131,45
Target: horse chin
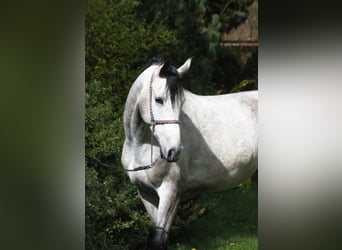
x,y
172,160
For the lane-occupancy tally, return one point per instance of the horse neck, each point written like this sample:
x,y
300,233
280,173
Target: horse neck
x,y
135,128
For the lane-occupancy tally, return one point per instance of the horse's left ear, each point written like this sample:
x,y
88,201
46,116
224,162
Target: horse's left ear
x,y
184,68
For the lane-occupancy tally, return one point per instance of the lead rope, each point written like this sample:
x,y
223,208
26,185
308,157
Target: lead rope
x,y
153,123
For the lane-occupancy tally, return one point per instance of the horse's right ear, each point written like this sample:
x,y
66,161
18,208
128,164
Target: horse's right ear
x,y
184,68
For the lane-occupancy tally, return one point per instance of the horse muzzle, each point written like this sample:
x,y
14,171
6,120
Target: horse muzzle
x,y
172,155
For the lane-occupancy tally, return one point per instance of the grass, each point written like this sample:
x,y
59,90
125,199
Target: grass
x,y
231,224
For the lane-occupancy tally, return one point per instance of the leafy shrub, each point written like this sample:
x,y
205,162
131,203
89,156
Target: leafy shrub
x,y
118,44
115,218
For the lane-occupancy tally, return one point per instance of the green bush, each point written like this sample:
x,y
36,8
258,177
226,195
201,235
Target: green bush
x,y
118,44
115,218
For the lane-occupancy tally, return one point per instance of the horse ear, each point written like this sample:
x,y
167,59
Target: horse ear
x,y
184,68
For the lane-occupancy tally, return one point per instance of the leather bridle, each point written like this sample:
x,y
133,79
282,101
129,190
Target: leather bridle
x,y
154,123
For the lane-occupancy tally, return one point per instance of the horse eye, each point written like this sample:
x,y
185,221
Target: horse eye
x,y
159,100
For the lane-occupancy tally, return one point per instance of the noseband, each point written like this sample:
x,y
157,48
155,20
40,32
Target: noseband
x,y
154,123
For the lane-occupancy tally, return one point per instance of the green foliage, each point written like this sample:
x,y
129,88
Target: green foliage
x,y
246,185
186,19
214,34
232,223
199,26
113,213
191,208
120,38
118,44
230,12
243,84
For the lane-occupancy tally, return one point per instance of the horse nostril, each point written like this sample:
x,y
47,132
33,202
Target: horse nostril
x,y
171,154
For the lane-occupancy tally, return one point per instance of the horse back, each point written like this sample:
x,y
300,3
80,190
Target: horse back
x,y
219,134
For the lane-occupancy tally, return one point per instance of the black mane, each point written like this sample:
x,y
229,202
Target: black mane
x,y
173,83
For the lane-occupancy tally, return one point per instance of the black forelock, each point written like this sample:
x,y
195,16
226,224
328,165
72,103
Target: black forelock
x,y
173,83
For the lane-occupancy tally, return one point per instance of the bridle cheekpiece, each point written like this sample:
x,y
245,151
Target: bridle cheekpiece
x,y
154,123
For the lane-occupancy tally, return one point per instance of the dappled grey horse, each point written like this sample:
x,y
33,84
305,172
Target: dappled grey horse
x,y
176,141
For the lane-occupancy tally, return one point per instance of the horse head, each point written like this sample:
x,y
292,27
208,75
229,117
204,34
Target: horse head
x,y
160,106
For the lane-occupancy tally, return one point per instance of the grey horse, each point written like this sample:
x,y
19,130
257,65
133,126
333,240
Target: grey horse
x,y
176,141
